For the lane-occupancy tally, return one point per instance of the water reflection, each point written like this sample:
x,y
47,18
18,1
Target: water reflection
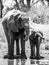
x,y
39,62
23,61
32,61
27,61
16,62
10,62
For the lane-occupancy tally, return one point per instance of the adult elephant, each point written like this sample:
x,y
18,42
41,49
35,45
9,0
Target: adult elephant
x,y
14,29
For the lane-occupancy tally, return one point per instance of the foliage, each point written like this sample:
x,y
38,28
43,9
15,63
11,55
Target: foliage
x,y
40,13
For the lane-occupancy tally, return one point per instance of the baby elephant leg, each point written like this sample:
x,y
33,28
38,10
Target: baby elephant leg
x,y
38,42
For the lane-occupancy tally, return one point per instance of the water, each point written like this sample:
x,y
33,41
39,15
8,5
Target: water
x,y
23,62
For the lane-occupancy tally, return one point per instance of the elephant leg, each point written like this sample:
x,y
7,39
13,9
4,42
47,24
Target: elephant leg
x,y
17,56
17,46
10,55
6,34
38,42
32,44
11,47
22,46
38,46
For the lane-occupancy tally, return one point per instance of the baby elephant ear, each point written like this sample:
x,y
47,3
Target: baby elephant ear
x,y
41,33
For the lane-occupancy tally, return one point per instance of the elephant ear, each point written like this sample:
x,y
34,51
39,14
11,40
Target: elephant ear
x,y
11,19
16,17
12,25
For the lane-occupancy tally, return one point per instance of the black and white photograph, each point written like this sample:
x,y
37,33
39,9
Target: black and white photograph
x,y
24,32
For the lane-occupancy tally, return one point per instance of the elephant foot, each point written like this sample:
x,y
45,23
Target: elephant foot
x,y
32,57
23,56
17,56
6,56
39,57
9,56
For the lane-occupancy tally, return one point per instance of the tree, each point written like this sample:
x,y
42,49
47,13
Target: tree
x,y
1,7
28,2
47,0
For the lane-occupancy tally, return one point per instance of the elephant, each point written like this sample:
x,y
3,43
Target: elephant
x,y
14,29
35,41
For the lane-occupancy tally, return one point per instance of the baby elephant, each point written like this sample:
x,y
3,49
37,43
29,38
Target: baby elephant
x,y
35,41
